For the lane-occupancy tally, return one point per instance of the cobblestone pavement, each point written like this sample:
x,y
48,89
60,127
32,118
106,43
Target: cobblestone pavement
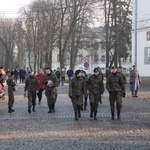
x,y
59,131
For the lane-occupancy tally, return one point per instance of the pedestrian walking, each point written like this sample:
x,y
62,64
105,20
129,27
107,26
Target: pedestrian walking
x,y
120,71
11,85
70,74
16,72
134,81
23,75
95,88
62,76
108,72
115,87
40,77
76,91
57,73
51,84
101,74
32,86
84,77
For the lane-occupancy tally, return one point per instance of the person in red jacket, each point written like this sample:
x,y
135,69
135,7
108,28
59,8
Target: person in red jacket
x,y
40,77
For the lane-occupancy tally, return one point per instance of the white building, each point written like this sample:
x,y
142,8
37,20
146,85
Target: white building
x,y
141,37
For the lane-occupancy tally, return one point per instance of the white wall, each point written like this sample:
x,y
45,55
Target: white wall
x,y
141,44
143,25
143,13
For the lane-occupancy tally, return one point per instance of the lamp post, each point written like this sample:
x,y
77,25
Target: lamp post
x,y
135,31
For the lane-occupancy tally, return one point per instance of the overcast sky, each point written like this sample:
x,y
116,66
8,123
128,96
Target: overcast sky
x,y
10,7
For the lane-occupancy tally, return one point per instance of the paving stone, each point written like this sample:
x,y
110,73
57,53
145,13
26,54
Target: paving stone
x,y
59,131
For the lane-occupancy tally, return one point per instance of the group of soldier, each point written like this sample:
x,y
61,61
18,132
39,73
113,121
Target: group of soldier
x,y
80,87
94,88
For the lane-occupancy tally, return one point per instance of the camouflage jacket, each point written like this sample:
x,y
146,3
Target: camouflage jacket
x,y
11,83
32,84
77,87
115,83
53,78
95,84
123,77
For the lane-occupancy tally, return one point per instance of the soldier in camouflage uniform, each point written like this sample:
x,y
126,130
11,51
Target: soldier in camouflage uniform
x,y
11,84
115,87
76,91
95,87
32,85
51,83
84,77
119,70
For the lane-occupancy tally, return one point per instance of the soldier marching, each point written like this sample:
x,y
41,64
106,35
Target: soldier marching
x,y
81,88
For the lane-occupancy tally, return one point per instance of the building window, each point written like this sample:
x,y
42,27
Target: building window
x,y
147,55
58,58
80,58
103,58
148,36
95,58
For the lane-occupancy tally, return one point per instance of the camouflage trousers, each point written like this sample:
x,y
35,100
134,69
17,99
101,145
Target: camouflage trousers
x,y
10,98
115,97
94,99
31,98
77,102
51,96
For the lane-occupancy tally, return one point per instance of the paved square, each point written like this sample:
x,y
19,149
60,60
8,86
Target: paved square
x,y
59,131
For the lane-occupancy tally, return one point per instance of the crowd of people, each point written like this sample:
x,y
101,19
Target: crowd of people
x,y
81,87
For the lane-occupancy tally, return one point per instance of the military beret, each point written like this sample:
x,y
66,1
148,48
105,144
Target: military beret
x,y
77,72
95,70
119,66
83,71
48,68
113,67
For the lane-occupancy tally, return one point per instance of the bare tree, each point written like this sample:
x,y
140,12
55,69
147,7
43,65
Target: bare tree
x,y
7,40
118,30
68,24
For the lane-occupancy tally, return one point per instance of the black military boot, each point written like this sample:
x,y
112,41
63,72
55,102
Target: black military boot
x,y
95,115
50,109
85,103
76,116
79,113
91,114
12,110
29,109
9,110
112,116
100,100
53,108
33,108
118,115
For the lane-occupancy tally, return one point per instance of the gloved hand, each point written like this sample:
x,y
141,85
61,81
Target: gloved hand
x,y
25,94
130,82
109,92
124,94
